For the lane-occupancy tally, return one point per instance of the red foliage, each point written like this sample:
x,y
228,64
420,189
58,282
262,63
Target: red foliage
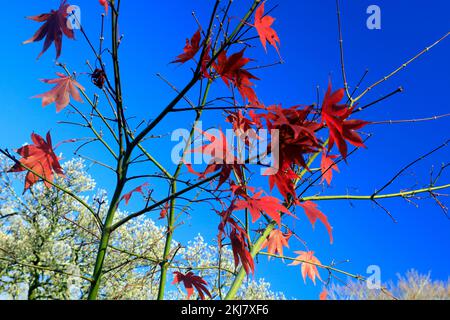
x,y
258,205
164,211
55,25
98,78
241,252
315,214
239,240
65,86
295,130
284,180
140,189
205,62
335,116
190,49
327,165
308,263
191,281
276,241
40,158
223,159
323,295
263,24
231,70
105,4
297,139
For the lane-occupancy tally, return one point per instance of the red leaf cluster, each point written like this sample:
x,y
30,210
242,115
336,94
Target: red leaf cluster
x,y
222,158
308,263
323,295
140,189
41,159
55,25
327,165
263,25
296,139
65,86
190,49
315,214
98,78
336,117
191,282
164,211
258,205
242,126
239,240
276,241
231,70
241,252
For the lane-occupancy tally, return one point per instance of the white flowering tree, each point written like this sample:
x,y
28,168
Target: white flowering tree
x,y
48,244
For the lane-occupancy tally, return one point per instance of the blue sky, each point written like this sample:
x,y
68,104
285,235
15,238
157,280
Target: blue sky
x,y
154,33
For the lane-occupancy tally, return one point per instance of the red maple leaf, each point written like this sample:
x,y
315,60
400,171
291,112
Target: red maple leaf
x,y
231,69
297,134
284,180
192,171
258,205
238,237
323,295
65,86
55,25
327,166
190,49
241,125
241,190
335,116
276,241
263,25
227,220
140,189
191,281
105,4
308,263
315,214
222,158
296,139
240,247
40,158
205,62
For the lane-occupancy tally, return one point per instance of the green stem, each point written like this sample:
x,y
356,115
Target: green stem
x,y
122,167
106,233
379,196
166,264
169,238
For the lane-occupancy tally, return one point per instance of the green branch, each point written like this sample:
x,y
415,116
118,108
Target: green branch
x,y
44,268
404,194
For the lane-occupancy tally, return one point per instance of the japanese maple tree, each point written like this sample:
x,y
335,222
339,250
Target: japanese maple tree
x,y
253,205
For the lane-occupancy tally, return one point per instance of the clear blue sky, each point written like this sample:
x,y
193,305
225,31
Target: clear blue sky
x,y
155,32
